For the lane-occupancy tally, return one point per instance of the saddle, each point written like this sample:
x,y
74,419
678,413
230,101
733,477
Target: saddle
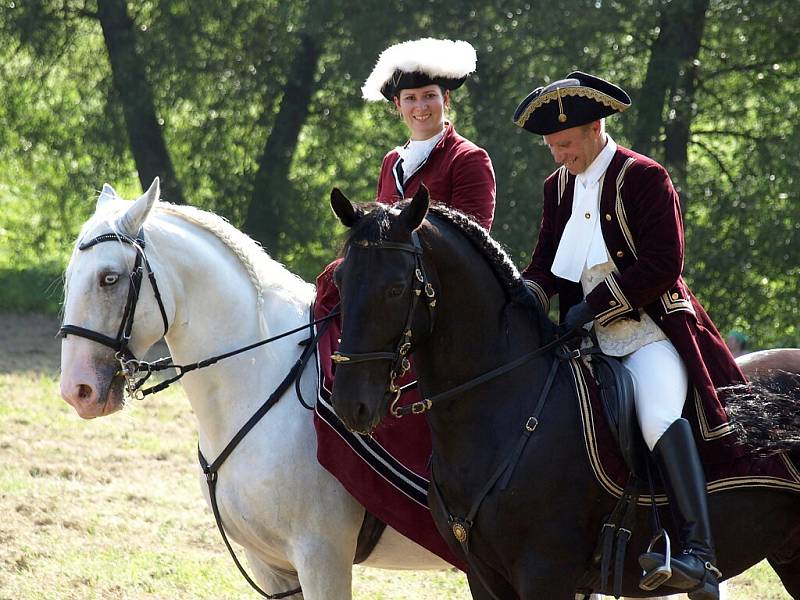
x,y
616,390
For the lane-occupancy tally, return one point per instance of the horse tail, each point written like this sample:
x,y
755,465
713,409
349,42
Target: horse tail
x,y
766,413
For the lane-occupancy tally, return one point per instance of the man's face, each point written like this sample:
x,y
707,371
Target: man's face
x,y
577,147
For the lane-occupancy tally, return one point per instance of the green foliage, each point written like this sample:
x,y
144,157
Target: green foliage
x,y
40,289
219,74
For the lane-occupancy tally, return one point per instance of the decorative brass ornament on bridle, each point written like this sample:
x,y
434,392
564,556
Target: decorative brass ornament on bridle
x,y
400,362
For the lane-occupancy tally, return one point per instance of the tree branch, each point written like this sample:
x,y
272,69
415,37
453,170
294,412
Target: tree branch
x,y
716,159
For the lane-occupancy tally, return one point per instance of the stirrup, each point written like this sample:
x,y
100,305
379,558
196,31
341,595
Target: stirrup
x,y
658,575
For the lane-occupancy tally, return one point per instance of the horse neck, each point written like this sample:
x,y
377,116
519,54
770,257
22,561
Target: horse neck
x,y
216,312
473,314
476,330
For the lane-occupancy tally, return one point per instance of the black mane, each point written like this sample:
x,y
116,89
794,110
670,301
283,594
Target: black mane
x,y
374,224
503,267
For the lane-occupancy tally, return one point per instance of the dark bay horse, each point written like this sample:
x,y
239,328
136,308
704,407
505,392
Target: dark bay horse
x,y
441,287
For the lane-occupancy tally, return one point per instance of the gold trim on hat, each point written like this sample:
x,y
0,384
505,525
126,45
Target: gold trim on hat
x,y
582,91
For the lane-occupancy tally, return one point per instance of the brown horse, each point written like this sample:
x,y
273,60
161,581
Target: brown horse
x,y
441,287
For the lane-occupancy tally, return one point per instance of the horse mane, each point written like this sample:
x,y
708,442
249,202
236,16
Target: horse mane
x,y
260,266
503,267
378,225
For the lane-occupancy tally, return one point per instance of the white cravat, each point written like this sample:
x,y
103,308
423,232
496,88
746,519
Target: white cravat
x,y
415,152
582,245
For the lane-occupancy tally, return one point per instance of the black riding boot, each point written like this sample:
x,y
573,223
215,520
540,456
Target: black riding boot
x,y
679,463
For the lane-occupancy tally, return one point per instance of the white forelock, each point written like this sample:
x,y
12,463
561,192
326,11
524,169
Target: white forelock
x,y
434,57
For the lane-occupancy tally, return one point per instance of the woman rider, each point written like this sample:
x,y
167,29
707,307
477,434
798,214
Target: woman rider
x,y
417,77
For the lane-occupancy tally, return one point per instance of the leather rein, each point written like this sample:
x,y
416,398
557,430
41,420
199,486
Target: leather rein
x,y
131,367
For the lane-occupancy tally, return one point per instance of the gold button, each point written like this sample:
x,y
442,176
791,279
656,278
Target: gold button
x,y
620,254
661,317
588,215
612,302
608,217
675,296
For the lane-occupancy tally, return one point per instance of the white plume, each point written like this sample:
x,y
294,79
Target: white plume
x,y
435,57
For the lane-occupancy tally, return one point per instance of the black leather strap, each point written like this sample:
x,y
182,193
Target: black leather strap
x,y
211,469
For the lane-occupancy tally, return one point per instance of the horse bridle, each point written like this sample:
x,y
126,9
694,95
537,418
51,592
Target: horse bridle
x,y
399,357
129,365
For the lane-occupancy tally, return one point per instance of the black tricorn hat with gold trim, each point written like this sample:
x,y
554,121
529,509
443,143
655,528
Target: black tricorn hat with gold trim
x,y
579,99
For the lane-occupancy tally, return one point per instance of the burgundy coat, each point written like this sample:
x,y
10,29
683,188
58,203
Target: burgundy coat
x,y
641,223
457,173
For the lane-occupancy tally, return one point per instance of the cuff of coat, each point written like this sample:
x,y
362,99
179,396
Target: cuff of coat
x,y
609,303
540,294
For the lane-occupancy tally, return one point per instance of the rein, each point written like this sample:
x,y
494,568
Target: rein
x,y
460,526
211,469
130,366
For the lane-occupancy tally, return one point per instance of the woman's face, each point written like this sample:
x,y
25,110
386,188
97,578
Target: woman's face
x,y
423,110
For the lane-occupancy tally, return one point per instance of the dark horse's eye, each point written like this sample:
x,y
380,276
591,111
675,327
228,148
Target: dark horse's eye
x,y
107,279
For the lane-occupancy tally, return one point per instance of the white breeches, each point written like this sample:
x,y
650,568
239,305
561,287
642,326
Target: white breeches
x,y
660,384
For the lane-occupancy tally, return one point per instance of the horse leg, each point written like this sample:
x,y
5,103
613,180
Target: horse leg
x,y
789,573
271,579
501,590
325,569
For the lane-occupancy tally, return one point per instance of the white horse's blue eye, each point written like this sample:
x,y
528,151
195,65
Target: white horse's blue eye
x,y
108,279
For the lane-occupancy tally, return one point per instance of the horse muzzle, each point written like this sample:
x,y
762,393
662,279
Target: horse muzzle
x,y
94,393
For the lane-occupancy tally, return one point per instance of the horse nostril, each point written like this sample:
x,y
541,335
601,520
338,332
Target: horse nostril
x,y
84,391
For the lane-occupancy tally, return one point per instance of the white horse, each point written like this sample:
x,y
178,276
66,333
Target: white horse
x,y
220,291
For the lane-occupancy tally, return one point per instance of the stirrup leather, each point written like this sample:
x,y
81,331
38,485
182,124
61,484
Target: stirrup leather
x,y
659,575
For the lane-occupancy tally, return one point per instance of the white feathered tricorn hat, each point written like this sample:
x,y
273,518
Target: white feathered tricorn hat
x,y
418,63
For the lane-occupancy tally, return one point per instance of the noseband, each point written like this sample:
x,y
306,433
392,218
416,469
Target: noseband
x,y
399,358
128,363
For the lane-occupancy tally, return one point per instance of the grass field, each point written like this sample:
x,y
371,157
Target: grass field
x,y
111,509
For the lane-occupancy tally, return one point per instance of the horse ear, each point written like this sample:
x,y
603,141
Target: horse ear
x,y
130,222
108,194
414,213
343,208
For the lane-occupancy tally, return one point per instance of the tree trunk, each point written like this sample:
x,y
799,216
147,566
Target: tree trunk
x,y
676,47
130,83
266,212
678,128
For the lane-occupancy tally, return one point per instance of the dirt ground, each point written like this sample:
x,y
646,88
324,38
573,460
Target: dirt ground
x,y
29,342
